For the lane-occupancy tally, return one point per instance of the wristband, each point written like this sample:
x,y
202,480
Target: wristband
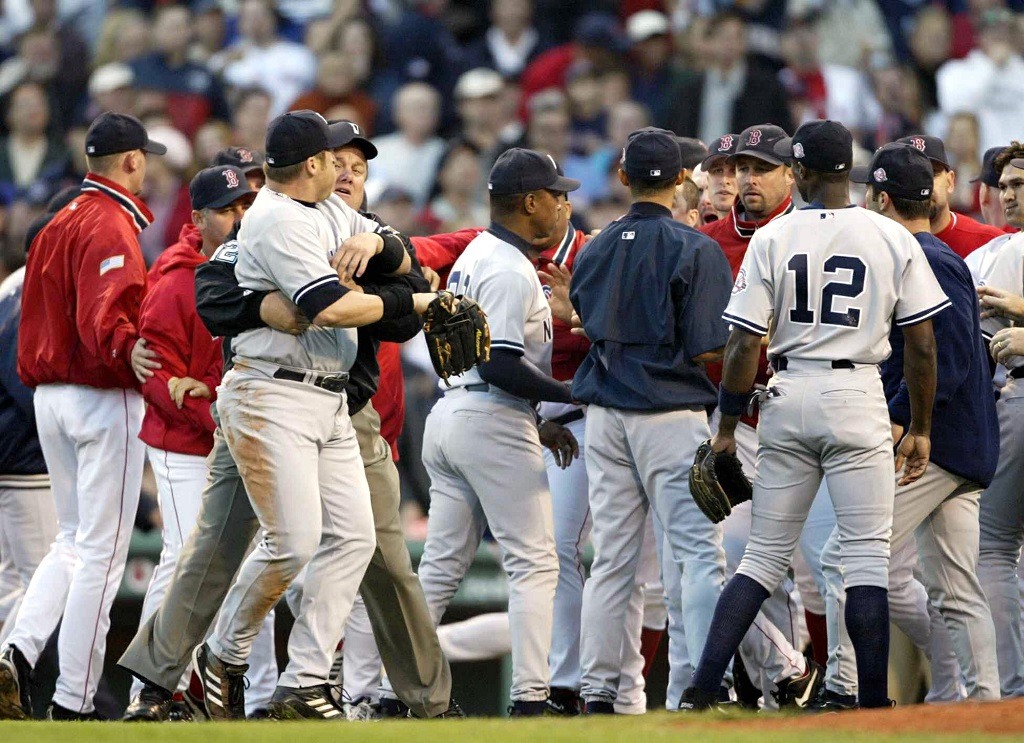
x,y
397,301
390,257
732,403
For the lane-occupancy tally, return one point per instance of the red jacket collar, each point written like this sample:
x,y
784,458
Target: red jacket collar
x,y
140,215
746,229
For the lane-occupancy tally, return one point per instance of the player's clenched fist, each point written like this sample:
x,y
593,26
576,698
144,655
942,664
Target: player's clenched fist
x,y
179,387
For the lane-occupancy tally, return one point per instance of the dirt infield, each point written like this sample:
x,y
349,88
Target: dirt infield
x,y
995,718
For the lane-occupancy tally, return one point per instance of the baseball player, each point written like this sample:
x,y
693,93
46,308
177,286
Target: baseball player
x,y
639,433
178,427
828,300
961,233
941,508
999,265
227,523
485,416
248,161
989,201
84,281
721,190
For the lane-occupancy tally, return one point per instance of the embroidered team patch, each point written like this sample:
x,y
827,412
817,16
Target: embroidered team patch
x,y
741,281
115,261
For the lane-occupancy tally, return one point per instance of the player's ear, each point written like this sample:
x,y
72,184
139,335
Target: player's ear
x,y
530,202
681,178
197,218
791,174
623,178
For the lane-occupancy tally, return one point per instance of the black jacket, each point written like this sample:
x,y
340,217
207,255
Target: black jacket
x,y
761,101
227,310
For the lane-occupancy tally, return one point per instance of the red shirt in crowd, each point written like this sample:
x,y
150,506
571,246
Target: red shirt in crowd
x,y
965,235
84,282
171,326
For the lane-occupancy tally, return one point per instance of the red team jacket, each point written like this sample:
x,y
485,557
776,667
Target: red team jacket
x,y
389,400
84,282
439,252
733,235
171,326
965,235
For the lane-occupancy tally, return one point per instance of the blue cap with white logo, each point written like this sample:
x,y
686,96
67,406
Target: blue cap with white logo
x,y
652,154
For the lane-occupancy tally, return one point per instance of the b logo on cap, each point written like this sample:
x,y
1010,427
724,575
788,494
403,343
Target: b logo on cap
x,y
755,137
726,143
880,176
232,179
917,142
798,150
244,155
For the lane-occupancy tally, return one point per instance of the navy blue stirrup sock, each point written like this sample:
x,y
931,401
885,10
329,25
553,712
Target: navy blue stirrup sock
x,y
737,606
867,621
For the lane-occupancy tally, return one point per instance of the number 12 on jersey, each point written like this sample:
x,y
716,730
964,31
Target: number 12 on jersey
x,y
803,313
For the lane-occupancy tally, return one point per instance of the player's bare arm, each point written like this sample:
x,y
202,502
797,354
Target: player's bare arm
x,y
280,313
739,370
919,370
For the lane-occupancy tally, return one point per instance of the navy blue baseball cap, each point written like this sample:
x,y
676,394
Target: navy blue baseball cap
x,y
241,157
601,30
898,169
355,138
111,133
930,146
724,146
522,171
822,145
759,141
297,135
651,153
691,151
216,187
988,174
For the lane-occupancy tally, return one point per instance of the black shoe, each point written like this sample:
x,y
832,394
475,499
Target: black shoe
x,y
520,708
260,713
181,711
829,701
599,708
564,702
695,700
223,685
310,703
56,713
800,691
15,678
454,711
393,708
152,704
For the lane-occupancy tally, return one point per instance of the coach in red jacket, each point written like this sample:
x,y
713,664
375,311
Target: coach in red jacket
x,y
178,427
84,282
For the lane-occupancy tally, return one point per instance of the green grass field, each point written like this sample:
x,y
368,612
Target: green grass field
x,y
651,728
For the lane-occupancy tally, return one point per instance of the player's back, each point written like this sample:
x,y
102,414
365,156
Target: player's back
x,y
834,279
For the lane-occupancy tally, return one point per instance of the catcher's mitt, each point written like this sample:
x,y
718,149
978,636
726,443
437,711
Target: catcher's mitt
x,y
457,334
717,482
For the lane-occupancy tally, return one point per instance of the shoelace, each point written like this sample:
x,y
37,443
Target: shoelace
x,y
237,684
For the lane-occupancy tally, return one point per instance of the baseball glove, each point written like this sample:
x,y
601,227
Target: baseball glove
x,y
457,334
717,482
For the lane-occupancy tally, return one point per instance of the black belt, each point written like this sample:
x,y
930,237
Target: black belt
x,y
478,387
330,381
779,363
566,418
1017,373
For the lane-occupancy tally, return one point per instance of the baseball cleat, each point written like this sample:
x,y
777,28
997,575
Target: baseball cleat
x,y
597,707
152,704
311,703
336,678
564,702
829,701
521,708
454,712
15,675
695,700
800,691
223,685
390,707
56,713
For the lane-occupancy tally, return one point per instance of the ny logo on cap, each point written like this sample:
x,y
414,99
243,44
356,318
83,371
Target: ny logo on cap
x,y
880,176
232,179
755,137
917,142
798,150
726,143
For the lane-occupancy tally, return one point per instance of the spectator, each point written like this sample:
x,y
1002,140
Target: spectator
x,y
989,82
511,42
420,47
852,32
931,44
357,40
408,158
166,191
111,88
263,58
457,204
731,94
651,54
396,208
27,154
897,114
212,137
250,117
123,37
962,147
764,19
623,118
74,53
38,60
336,85
549,131
210,28
193,94
586,106
821,91
477,97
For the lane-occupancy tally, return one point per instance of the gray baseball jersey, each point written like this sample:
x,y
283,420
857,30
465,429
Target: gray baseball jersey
x,y
284,244
504,283
827,292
